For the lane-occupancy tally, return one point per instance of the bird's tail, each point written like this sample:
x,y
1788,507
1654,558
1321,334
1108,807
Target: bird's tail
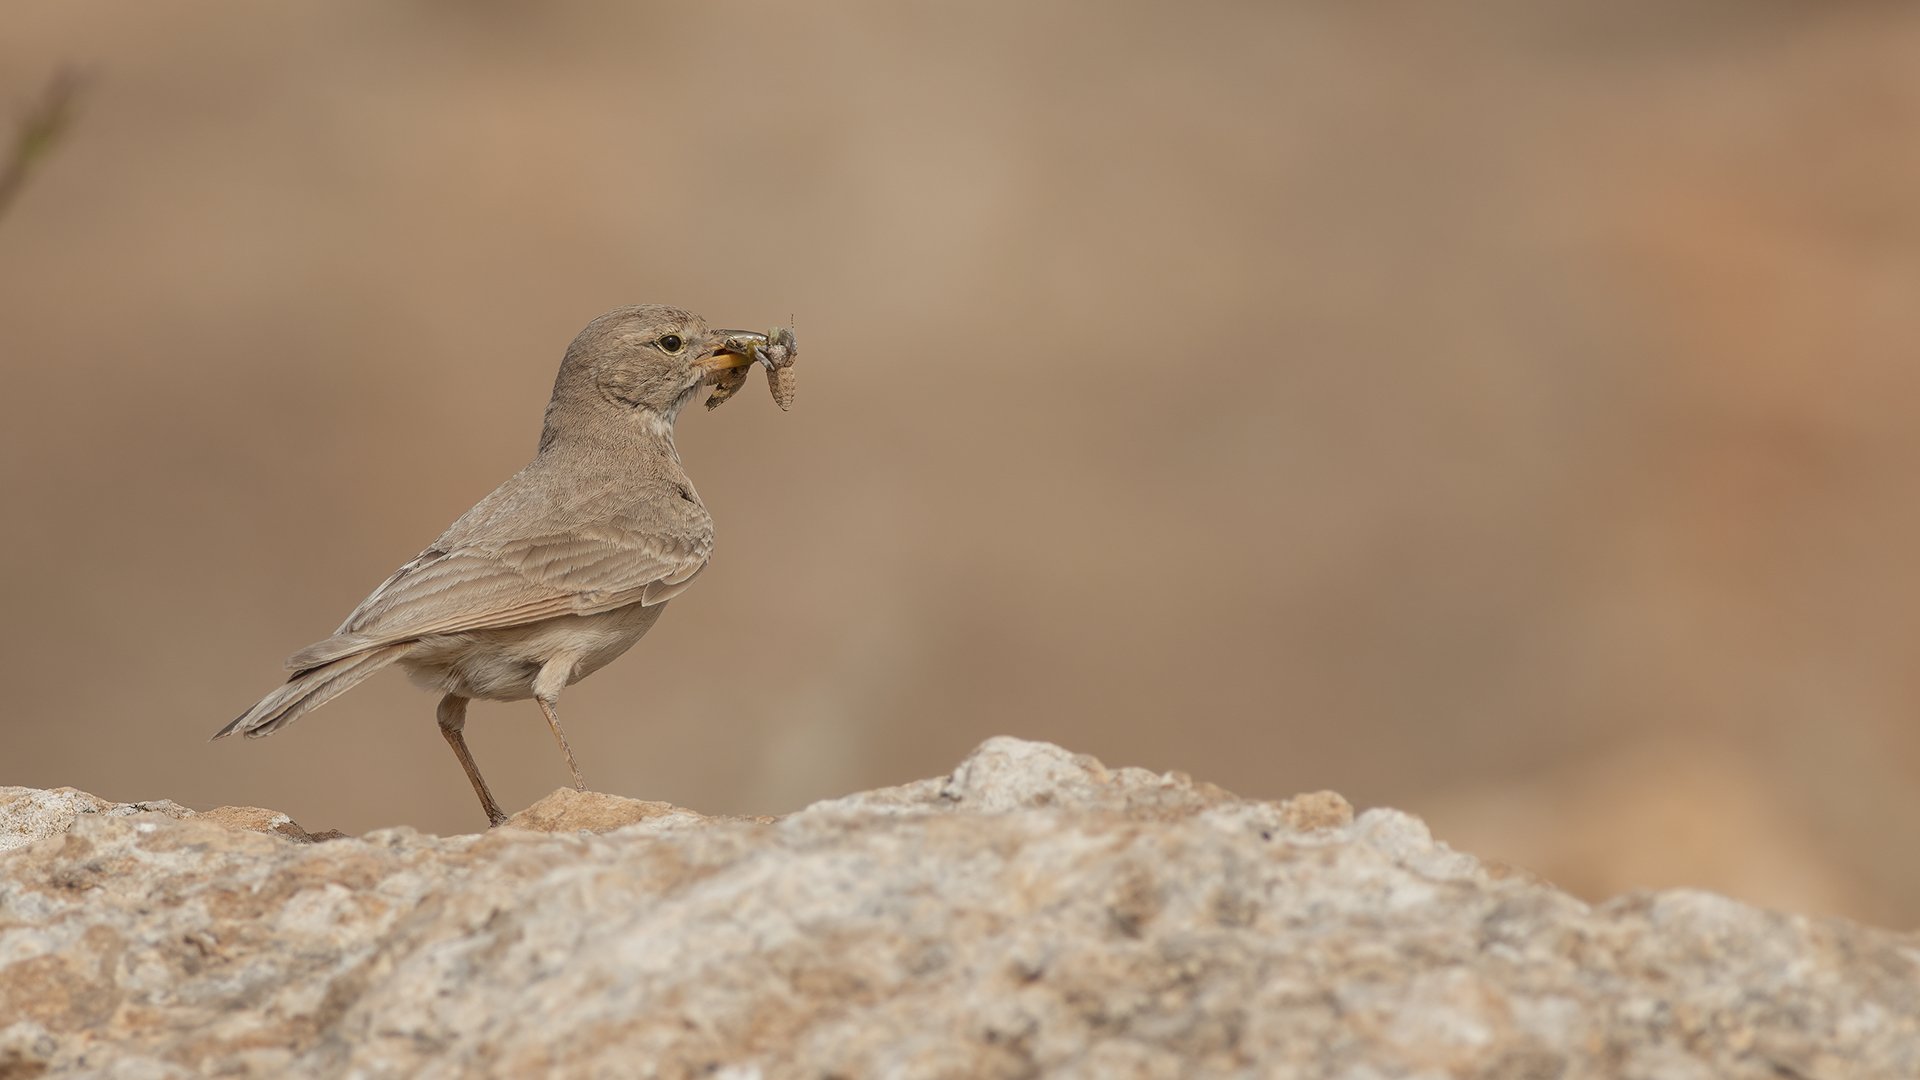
x,y
311,689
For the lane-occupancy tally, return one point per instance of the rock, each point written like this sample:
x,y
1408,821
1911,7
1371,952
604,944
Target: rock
x,y
1034,914
29,814
567,810
1317,810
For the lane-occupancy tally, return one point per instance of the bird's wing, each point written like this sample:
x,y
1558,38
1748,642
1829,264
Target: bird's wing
x,y
507,583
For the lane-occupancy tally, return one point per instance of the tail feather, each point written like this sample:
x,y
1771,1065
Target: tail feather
x,y
337,647
309,690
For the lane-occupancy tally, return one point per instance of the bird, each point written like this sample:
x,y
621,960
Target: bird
x,y
565,565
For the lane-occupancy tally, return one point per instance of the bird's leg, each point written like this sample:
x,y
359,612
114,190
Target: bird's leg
x,y
553,721
453,721
553,678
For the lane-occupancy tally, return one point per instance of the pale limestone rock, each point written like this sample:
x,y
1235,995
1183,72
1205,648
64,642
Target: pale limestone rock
x,y
29,814
1034,914
567,810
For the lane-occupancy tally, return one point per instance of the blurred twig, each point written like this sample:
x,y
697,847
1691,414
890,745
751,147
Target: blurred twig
x,y
44,122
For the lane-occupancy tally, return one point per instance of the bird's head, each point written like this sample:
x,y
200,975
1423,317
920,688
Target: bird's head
x,y
639,366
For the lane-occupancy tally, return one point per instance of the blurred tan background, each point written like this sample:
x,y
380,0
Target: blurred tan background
x,y
1499,410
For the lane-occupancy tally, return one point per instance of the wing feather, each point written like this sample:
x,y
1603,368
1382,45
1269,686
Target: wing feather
x,y
496,585
534,549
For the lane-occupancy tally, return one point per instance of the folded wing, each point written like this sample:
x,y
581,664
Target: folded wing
x,y
508,583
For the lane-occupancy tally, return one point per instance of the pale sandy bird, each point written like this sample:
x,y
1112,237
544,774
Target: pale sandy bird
x,y
565,565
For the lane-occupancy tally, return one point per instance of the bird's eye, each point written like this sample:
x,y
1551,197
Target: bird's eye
x,y
672,343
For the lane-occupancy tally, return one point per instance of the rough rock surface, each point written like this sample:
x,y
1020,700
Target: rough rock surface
x,y
1034,914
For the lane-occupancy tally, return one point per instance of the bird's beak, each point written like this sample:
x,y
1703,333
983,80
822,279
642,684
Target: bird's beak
x,y
732,349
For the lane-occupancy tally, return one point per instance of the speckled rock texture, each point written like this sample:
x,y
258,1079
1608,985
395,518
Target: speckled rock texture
x,y
1033,915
